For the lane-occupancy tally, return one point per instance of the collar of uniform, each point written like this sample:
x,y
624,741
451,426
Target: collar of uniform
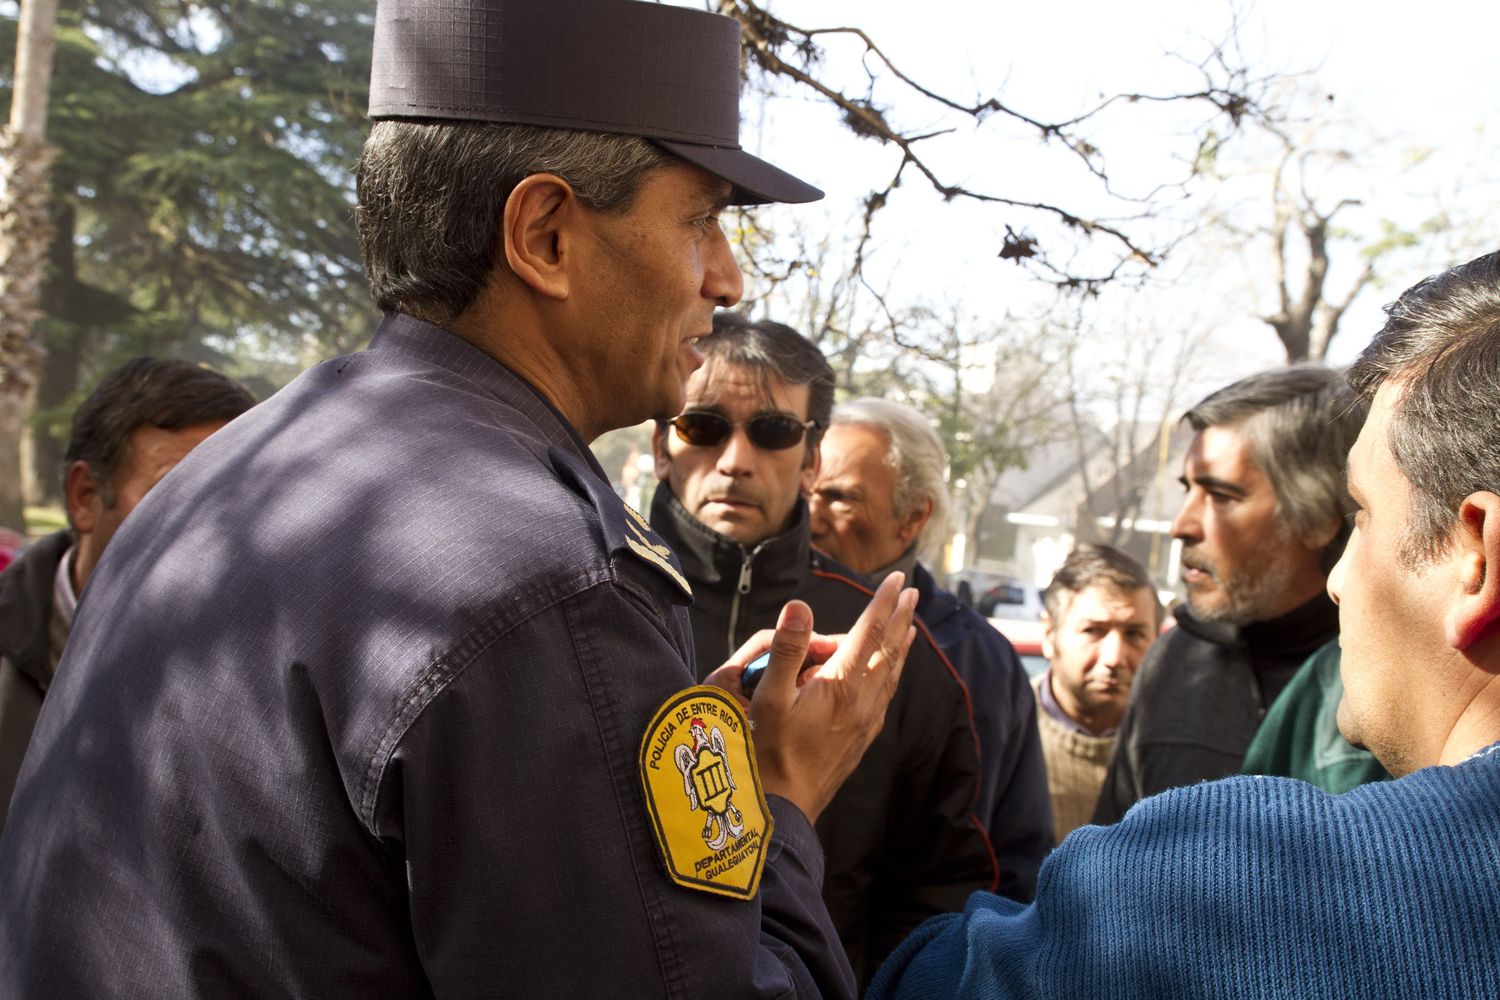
x,y
713,561
431,344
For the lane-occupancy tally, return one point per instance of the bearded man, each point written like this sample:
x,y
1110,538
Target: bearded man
x,y
1263,520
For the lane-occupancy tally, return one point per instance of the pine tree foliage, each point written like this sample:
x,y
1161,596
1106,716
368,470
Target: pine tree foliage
x,y
203,191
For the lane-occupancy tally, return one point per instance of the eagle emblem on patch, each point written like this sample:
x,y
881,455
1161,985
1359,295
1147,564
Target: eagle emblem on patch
x,y
703,793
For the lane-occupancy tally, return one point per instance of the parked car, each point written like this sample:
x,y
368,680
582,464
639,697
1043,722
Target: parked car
x,y
1012,605
969,583
996,595
1026,636
1011,598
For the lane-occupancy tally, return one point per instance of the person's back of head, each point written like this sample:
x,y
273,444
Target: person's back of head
x,y
1419,585
147,392
429,247
1440,348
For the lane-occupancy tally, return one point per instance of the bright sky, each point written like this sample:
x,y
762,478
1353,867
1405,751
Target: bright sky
x,y
1404,78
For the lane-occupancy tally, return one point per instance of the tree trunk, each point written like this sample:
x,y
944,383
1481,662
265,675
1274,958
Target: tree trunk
x,y
24,238
25,235
68,332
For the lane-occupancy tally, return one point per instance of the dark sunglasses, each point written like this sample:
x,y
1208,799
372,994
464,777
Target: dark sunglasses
x,y
767,431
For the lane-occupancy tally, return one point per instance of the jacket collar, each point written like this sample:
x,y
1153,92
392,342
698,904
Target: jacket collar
x,y
937,605
428,344
1304,627
715,563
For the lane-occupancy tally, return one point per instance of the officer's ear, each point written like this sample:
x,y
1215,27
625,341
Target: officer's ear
x,y
536,235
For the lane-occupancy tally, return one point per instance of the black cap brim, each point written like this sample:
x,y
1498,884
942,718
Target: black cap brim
x,y
755,181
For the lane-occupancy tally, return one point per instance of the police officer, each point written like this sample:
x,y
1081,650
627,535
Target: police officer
x,y
384,691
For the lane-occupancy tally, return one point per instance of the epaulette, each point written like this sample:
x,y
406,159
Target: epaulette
x,y
625,530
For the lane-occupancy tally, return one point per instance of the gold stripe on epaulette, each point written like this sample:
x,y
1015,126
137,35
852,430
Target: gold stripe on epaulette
x,y
659,559
639,519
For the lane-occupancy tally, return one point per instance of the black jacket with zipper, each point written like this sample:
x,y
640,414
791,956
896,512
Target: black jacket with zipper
x,y
901,839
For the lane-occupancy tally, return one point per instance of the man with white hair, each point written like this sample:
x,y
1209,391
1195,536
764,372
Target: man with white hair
x,y
880,502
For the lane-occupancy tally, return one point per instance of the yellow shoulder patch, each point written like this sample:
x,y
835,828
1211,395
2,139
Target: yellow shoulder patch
x,y
703,793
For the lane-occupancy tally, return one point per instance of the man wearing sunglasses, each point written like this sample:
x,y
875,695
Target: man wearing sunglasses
x,y
900,837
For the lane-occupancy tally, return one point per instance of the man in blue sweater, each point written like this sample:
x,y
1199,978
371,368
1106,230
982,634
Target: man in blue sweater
x,y
1269,887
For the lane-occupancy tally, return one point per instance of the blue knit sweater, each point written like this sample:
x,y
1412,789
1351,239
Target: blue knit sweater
x,y
1249,887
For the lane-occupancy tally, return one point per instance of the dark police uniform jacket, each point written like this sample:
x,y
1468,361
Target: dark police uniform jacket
x,y
901,837
354,709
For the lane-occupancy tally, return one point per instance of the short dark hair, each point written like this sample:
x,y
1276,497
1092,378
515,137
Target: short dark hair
x,y
1300,423
766,346
145,392
431,195
1096,566
1441,346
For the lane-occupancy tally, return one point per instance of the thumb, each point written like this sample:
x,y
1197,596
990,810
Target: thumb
x,y
788,649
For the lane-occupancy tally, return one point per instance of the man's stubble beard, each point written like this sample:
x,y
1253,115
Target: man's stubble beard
x,y
1250,591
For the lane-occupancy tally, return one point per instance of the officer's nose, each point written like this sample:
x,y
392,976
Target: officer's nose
x,y
722,280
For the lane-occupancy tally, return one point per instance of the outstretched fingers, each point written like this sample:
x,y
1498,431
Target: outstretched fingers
x,y
889,659
870,632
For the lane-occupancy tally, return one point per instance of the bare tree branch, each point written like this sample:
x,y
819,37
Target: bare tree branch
x,y
784,50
